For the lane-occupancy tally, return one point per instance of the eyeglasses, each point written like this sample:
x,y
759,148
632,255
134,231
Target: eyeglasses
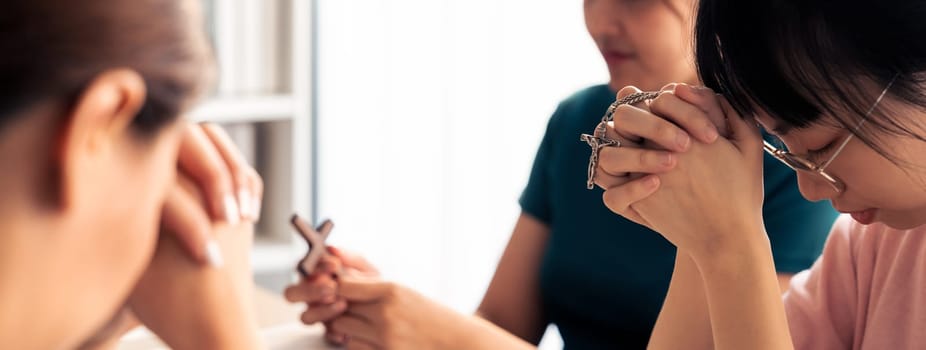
x,y
800,163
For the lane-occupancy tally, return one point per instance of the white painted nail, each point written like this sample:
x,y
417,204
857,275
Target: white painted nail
x,y
256,207
244,203
214,254
232,215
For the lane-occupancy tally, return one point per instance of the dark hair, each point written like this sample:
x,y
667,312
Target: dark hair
x,y
51,50
801,59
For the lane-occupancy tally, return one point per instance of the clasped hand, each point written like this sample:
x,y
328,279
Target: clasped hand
x,y
690,168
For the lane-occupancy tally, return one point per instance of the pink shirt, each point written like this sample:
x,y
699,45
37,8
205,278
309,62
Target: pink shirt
x,y
867,290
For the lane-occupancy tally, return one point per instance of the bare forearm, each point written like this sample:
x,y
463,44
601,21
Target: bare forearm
x,y
744,297
479,333
200,308
524,326
512,300
684,322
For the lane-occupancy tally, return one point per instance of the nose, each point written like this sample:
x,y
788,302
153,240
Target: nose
x,y
814,188
603,19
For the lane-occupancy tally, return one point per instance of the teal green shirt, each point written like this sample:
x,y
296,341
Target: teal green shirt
x,y
603,278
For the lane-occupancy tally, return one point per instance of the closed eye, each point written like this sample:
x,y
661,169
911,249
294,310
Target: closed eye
x,y
816,154
812,155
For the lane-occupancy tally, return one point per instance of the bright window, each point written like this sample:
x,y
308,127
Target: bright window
x,y
429,113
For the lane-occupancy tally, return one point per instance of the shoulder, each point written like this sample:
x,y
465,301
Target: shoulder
x,y
592,95
879,243
583,106
846,233
867,241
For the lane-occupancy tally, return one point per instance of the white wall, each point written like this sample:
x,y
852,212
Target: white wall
x,y
430,112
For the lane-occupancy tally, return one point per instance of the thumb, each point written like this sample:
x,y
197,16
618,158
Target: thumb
x,y
353,260
364,290
627,91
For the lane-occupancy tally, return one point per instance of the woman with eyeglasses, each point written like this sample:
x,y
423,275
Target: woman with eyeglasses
x,y
841,85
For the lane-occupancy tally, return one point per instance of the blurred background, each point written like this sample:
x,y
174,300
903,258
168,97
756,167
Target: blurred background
x,y
411,123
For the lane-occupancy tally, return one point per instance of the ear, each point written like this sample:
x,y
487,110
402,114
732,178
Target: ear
x,y
94,126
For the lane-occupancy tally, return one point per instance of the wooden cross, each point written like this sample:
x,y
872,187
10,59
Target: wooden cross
x,y
315,238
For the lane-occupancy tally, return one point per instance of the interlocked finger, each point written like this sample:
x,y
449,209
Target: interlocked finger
x,y
624,160
635,124
619,199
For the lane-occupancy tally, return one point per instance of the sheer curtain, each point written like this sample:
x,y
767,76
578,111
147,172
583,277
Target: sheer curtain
x,y
429,115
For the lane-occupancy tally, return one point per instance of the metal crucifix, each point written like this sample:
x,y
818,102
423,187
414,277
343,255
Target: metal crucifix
x,y
597,141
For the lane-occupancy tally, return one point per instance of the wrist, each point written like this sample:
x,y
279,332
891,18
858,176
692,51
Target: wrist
x,y
190,306
741,248
227,321
490,336
215,318
742,293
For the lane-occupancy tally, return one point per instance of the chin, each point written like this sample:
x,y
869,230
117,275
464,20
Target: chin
x,y
901,221
623,77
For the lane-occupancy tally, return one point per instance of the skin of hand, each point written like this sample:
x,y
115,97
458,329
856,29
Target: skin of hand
x,y
649,144
714,189
319,290
709,206
232,191
618,165
207,154
385,315
192,306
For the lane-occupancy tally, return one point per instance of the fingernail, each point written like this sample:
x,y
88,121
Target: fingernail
x,y
683,140
669,87
244,203
214,254
652,182
339,306
256,207
711,133
329,296
667,159
232,215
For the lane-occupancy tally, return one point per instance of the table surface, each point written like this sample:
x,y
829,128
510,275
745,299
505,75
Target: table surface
x,y
279,322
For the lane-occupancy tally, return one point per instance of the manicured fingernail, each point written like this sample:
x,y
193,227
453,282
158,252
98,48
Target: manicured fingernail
x,y
214,254
232,215
683,140
244,203
256,207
